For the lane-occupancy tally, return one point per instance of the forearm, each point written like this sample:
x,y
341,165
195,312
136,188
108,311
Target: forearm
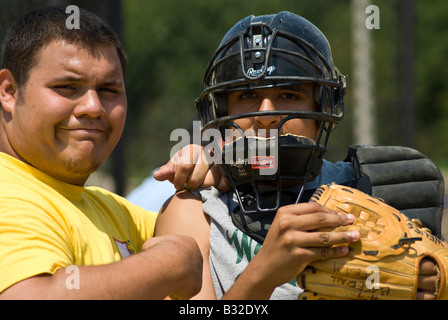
x,y
247,289
155,273
141,276
135,277
253,283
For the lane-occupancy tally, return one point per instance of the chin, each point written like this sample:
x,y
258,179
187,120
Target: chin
x,y
84,166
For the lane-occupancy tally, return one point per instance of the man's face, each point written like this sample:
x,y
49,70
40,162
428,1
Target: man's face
x,y
71,112
296,98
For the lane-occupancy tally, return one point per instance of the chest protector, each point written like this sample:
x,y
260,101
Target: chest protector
x,y
404,178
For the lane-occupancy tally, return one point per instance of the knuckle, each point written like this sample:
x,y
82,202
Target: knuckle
x,y
184,167
194,182
341,219
325,252
288,241
324,238
315,205
283,225
320,217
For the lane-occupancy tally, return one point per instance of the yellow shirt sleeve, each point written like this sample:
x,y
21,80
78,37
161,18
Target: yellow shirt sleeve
x,y
31,242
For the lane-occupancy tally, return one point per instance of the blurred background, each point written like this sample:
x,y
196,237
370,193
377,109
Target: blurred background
x,y
396,70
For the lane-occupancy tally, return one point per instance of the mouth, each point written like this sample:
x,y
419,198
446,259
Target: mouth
x,y
87,130
86,133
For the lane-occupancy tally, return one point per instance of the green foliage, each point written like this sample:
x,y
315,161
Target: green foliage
x,y
432,83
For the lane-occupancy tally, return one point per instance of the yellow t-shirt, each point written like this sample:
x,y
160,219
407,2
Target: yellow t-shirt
x,y
46,224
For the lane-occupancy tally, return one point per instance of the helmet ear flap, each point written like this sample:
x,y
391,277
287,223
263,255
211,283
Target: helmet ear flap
x,y
339,93
328,101
324,98
221,104
318,94
212,107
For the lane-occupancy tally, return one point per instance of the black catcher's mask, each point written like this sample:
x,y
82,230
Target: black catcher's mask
x,y
266,52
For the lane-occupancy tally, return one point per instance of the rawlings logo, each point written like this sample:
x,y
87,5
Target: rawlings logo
x,y
262,142
255,73
263,162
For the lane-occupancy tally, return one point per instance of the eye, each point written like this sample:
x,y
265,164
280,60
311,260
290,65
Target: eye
x,y
248,95
64,87
291,96
108,90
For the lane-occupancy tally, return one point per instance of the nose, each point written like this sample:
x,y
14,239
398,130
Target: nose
x,y
269,121
90,105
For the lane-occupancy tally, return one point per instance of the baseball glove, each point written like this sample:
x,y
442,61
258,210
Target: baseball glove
x,y
384,264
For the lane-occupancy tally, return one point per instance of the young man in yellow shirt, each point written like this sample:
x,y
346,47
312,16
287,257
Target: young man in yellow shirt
x,y
63,109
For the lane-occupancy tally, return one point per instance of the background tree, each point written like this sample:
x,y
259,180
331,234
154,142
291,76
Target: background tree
x,y
169,44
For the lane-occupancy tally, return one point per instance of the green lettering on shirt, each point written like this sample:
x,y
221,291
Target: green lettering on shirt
x,y
243,248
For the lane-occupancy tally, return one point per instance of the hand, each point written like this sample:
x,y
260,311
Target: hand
x,y
427,280
292,243
190,168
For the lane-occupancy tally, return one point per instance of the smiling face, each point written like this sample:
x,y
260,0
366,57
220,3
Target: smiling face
x,y
69,116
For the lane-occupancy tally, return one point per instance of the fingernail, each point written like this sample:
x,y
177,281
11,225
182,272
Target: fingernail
x,y
350,217
353,235
342,250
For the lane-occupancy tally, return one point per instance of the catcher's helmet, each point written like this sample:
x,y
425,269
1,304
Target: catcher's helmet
x,y
264,52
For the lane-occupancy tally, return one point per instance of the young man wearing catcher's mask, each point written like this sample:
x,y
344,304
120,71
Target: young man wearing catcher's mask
x,y
273,89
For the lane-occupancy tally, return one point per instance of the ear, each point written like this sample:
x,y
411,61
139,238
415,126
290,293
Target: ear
x,y
9,90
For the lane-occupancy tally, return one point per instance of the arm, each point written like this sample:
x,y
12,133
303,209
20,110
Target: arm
x,y
289,246
183,214
158,271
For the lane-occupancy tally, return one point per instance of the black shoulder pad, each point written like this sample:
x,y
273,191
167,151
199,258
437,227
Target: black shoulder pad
x,y
405,179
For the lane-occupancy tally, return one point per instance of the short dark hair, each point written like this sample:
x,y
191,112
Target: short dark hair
x,y
28,36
